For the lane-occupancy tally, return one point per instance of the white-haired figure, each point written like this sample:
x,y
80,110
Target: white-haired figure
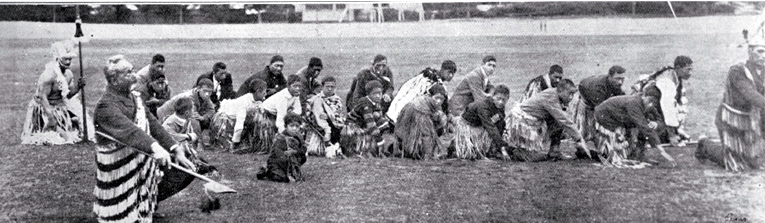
x,y
129,183
54,114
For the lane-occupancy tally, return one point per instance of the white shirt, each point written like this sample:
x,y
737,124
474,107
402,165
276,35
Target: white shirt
x,y
546,77
414,87
673,112
237,108
142,77
216,85
281,103
485,78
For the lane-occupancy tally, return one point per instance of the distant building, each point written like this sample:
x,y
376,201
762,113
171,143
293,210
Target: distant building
x,y
485,7
353,12
402,7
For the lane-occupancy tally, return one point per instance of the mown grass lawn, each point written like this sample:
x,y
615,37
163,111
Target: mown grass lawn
x,y
54,184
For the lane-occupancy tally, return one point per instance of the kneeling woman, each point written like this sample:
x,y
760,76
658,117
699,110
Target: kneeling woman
x,y
54,115
288,153
285,101
420,123
362,134
239,122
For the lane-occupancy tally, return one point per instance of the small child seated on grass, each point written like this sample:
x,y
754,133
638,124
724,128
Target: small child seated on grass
x,y
288,153
177,124
326,117
362,134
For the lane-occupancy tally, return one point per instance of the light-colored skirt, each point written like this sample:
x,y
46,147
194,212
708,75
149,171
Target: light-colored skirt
x,y
314,142
740,137
356,141
66,130
221,130
526,132
470,142
614,148
126,185
63,130
257,136
260,130
584,118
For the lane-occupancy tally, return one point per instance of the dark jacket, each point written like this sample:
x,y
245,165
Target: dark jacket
x,y
360,81
278,163
485,114
368,116
628,112
274,83
741,93
155,96
226,91
596,89
308,81
115,114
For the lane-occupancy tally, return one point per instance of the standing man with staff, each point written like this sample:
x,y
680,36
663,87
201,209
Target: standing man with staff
x,y
54,115
127,181
739,118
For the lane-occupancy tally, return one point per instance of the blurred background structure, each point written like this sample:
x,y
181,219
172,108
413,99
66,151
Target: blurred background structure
x,y
360,12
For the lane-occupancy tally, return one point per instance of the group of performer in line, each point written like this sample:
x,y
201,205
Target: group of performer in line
x,y
299,115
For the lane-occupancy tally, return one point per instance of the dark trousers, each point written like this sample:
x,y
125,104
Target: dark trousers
x,y
334,136
555,131
175,180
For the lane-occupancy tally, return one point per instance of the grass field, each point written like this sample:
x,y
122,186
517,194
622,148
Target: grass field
x,y
54,184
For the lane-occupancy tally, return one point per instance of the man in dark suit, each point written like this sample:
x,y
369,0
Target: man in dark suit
x,y
222,84
273,76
